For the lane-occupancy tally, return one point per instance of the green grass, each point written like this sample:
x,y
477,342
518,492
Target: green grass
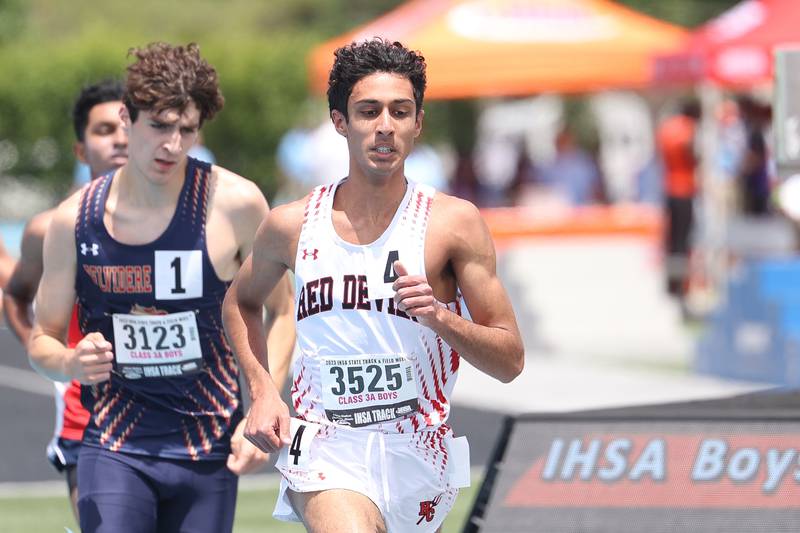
x,y
51,514
34,514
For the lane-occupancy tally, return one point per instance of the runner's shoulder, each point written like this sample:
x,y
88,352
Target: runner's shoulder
x,y
37,226
287,219
66,212
459,216
61,229
234,191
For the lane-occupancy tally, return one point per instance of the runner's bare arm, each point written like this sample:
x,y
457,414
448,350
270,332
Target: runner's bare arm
x,y
90,360
21,288
491,341
261,272
249,208
280,330
252,208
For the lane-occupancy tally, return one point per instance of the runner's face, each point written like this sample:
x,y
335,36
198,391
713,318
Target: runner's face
x,y
105,143
158,142
382,124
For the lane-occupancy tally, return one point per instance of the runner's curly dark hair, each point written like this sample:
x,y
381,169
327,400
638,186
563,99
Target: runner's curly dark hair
x,y
357,60
170,77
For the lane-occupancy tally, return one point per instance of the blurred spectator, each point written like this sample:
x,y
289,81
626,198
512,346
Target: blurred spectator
x,y
727,159
524,176
731,139
753,173
495,164
624,142
465,182
573,173
676,144
650,182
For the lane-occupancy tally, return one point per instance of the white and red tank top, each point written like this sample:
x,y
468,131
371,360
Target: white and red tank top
x,y
362,362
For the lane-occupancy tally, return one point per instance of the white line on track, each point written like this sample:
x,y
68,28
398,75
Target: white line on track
x,y
25,380
248,483
47,489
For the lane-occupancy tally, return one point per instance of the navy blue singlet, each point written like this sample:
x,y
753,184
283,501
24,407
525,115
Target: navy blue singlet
x,y
164,301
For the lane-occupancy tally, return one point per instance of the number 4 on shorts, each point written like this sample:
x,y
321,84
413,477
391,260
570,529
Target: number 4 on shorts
x,y
294,449
302,434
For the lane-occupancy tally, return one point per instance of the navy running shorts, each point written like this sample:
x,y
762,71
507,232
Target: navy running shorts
x,y
142,494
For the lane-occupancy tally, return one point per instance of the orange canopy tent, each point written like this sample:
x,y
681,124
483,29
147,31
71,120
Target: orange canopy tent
x,y
479,48
735,48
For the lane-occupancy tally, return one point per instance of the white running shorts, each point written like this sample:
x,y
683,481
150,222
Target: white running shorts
x,y
413,478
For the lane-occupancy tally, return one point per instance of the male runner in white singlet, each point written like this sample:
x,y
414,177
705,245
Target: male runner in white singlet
x,y
380,266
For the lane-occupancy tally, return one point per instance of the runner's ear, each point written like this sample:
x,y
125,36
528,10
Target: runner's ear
x,y
339,122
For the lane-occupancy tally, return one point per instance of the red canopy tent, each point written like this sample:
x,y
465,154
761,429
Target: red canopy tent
x,y
477,48
736,48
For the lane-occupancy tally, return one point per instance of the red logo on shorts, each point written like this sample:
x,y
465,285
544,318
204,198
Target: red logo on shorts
x,y
312,254
427,509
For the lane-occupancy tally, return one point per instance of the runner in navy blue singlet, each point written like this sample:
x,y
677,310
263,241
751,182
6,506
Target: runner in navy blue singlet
x,y
174,391
149,251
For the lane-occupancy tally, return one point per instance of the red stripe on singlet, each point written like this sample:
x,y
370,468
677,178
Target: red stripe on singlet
x,y
74,418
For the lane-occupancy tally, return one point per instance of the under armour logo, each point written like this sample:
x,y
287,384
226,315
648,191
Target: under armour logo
x,y
427,509
94,248
312,254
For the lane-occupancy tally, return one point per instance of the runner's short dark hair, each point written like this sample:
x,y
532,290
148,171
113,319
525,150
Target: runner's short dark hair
x,y
90,96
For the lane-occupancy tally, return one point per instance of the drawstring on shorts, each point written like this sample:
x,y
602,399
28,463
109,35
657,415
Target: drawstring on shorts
x,y
382,452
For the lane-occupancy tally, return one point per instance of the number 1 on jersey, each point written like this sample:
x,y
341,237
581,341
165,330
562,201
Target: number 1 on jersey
x,y
176,265
179,274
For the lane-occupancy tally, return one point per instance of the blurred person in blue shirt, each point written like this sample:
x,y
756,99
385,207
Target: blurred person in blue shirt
x,y
573,172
